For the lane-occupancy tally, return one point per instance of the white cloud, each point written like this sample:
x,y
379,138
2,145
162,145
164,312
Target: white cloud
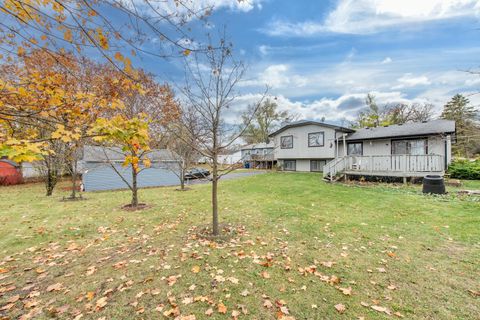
x,y
473,82
189,6
408,80
276,76
334,109
369,16
387,60
263,49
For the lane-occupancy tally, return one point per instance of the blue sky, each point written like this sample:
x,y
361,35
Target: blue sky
x,y
321,58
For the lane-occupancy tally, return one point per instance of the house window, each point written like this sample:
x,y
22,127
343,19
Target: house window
x,y
317,165
316,139
289,165
412,147
355,148
286,142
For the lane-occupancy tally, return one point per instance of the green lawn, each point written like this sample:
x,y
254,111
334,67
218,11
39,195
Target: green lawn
x,y
301,247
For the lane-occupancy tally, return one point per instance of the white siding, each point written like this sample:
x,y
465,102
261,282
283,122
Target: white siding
x,y
300,149
100,176
29,170
230,158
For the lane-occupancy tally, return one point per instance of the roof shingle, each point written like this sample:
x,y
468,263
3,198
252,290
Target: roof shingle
x,y
404,130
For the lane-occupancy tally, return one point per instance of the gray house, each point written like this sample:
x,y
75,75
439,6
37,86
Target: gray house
x,y
98,173
408,150
306,145
258,155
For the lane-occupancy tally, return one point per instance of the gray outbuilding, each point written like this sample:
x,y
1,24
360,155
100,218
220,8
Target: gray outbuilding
x,y
102,167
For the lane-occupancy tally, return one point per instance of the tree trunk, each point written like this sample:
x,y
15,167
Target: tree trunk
x,y
74,180
51,181
215,198
182,179
134,202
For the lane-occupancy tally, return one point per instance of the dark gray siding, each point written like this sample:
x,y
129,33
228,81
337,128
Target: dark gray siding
x,y
101,176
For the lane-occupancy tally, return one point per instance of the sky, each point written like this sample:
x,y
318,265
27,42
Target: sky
x,y
321,58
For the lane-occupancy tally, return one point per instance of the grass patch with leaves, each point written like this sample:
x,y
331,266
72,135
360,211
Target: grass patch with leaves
x,y
299,249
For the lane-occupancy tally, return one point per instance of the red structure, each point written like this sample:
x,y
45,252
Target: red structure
x,y
10,172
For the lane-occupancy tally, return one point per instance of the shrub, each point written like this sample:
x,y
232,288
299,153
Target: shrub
x,y
465,169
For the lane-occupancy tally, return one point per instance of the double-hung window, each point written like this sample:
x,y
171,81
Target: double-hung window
x,y
316,139
412,147
286,142
355,148
289,165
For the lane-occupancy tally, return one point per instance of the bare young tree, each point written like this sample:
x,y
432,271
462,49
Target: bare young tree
x,y
183,134
211,80
415,112
52,165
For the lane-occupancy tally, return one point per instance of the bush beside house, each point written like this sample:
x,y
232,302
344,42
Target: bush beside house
x,y
465,169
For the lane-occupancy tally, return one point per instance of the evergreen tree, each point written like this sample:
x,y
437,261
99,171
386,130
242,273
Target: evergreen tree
x,y
465,116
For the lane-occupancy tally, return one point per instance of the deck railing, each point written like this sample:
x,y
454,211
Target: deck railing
x,y
402,164
259,157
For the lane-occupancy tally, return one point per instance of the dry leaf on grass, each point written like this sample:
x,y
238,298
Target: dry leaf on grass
x,y
221,308
196,269
340,308
55,287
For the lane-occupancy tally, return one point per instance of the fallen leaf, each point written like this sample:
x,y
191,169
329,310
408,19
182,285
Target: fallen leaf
x,y
267,304
209,312
222,308
90,295
13,299
102,302
340,308
55,287
381,309
244,293
196,269
91,270
346,291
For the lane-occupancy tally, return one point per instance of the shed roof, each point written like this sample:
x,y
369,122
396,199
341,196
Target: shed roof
x,y
309,122
10,162
103,154
404,130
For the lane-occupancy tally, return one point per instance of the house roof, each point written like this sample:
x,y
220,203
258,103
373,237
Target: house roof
x,y
404,130
10,162
309,122
261,145
114,154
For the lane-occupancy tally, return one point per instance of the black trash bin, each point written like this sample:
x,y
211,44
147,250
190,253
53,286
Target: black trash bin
x,y
433,184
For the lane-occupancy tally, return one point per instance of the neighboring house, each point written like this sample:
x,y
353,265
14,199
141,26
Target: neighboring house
x,y
98,174
229,159
408,150
258,156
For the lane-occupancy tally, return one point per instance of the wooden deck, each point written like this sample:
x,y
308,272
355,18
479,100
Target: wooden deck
x,y
386,166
